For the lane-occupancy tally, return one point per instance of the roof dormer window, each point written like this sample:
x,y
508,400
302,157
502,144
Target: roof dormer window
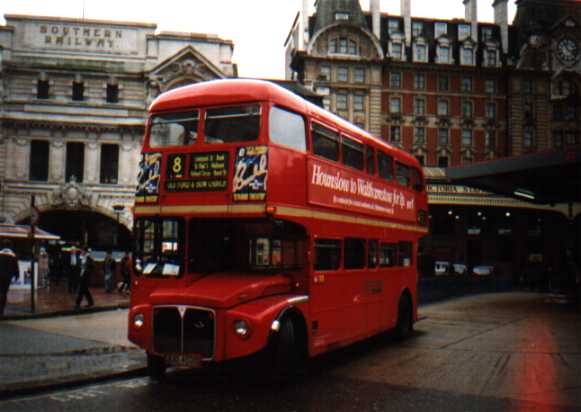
x,y
395,50
440,29
392,26
487,34
467,55
417,28
420,52
443,53
464,31
490,57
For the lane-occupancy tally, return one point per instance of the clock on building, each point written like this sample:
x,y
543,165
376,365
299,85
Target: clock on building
x,y
567,50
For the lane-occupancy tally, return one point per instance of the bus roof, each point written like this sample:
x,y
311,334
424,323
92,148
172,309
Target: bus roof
x,y
228,91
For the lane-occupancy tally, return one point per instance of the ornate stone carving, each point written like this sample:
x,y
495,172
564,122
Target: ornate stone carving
x,y
71,195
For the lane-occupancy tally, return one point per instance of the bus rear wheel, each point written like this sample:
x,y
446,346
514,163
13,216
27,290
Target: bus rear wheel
x,y
404,325
156,367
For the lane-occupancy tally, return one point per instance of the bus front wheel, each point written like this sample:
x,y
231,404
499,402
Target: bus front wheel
x,y
285,352
404,325
155,367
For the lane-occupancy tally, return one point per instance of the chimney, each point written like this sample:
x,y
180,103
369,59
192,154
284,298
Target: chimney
x,y
375,18
406,13
304,29
501,19
471,15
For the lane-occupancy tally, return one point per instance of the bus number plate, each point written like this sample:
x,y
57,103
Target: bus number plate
x,y
188,360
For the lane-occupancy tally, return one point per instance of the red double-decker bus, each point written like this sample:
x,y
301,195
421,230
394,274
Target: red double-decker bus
x,y
267,225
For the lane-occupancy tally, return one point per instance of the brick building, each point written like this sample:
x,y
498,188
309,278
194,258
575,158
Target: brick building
x,y
454,92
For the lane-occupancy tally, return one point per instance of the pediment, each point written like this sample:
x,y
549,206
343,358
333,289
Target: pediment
x,y
184,67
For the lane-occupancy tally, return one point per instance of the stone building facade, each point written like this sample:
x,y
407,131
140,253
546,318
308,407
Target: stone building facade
x,y
73,101
454,92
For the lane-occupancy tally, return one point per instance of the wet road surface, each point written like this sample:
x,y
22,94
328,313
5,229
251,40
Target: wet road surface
x,y
504,352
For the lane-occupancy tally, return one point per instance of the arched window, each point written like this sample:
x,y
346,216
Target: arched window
x,y
343,45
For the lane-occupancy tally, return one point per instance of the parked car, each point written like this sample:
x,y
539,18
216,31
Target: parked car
x,y
460,268
483,270
441,267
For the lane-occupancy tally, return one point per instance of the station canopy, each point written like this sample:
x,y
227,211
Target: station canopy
x,y
23,232
548,177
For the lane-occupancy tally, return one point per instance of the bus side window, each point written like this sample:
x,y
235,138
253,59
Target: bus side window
x,y
402,174
372,260
325,142
385,166
405,254
354,253
352,153
416,180
327,254
387,255
370,155
287,128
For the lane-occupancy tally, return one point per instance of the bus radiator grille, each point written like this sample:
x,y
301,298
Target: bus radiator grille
x,y
199,332
176,331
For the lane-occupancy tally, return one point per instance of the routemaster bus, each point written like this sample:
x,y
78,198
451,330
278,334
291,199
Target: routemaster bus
x,y
265,225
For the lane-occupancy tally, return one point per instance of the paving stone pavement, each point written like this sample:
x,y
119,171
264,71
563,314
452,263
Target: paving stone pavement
x,y
40,354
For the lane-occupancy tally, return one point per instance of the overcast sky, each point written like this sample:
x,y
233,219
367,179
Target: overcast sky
x,y
258,28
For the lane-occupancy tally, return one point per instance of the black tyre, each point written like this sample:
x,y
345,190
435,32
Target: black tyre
x,y
285,353
404,325
156,367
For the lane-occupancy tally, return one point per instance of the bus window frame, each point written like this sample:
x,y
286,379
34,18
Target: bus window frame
x,y
339,268
199,129
306,123
391,169
261,123
363,257
368,248
313,125
346,137
158,221
369,149
394,261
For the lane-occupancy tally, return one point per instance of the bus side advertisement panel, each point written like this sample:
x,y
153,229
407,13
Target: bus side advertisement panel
x,y
340,189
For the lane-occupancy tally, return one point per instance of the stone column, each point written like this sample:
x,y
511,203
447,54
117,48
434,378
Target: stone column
x,y
57,158
92,166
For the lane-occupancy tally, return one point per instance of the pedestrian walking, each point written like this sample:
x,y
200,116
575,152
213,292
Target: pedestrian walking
x,y
8,270
43,268
87,266
125,273
73,268
108,270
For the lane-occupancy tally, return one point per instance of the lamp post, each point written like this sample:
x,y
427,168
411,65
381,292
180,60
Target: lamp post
x,y
118,210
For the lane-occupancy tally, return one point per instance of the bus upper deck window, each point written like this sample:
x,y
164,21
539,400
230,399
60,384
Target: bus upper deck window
x,y
370,153
416,180
232,124
385,166
175,129
287,128
325,142
352,153
402,174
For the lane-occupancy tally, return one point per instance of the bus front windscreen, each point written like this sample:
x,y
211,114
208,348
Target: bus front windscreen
x,y
159,247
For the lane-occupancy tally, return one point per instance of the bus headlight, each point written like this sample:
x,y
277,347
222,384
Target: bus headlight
x,y
138,320
241,328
